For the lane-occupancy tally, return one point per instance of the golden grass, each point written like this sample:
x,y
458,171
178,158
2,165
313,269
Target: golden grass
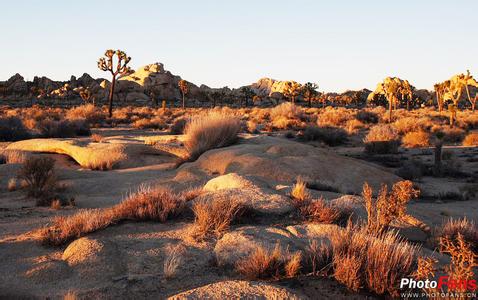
x,y
471,139
14,156
147,204
213,130
373,262
173,261
214,217
299,190
320,211
416,139
263,263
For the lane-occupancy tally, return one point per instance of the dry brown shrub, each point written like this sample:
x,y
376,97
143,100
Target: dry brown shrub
x,y
334,117
452,135
213,130
286,115
178,125
320,211
407,124
416,139
150,123
367,117
12,129
269,264
374,262
386,207
381,139
454,227
88,112
471,139
332,136
147,204
39,175
56,204
212,218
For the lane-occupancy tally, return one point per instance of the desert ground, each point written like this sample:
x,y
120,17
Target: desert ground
x,y
271,202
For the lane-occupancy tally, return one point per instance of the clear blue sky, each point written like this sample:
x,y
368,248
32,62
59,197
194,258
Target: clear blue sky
x,y
339,44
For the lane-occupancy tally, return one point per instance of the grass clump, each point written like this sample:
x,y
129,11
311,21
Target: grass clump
x,y
213,130
263,263
214,217
148,204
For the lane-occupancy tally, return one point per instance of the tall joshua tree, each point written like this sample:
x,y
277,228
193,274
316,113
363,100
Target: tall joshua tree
x,y
291,90
310,91
106,64
183,86
392,88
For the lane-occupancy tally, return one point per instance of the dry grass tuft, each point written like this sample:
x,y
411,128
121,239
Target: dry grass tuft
x,y
374,262
146,205
173,260
210,131
299,190
266,264
320,211
12,184
212,218
97,138
14,156
332,136
381,211
471,139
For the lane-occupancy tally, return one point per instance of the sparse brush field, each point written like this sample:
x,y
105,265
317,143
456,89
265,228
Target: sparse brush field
x,y
290,198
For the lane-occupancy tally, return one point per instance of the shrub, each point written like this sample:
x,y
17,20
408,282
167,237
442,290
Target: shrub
x,y
90,113
147,204
331,136
412,170
12,129
381,139
214,217
39,175
320,211
12,184
406,125
210,131
265,264
334,117
387,206
286,115
97,138
453,227
146,123
178,126
471,139
62,129
376,262
452,135
367,117
416,139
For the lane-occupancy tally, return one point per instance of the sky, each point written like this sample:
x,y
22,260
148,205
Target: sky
x,y
338,44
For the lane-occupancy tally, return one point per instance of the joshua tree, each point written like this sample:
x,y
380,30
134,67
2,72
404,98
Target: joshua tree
x,y
392,88
183,86
247,93
310,91
106,64
440,89
454,88
291,90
